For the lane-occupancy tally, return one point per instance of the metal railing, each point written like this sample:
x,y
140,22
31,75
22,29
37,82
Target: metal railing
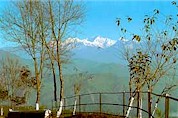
x,y
117,103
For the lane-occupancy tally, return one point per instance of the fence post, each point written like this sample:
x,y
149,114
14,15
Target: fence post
x,y
52,104
79,102
64,103
123,99
138,103
167,106
149,104
100,102
2,111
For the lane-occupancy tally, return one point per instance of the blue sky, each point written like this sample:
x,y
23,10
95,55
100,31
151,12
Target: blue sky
x,y
101,15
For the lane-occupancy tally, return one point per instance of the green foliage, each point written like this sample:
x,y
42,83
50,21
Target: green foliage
x,y
139,67
118,21
137,38
159,113
129,19
3,94
15,81
153,57
42,107
172,45
19,100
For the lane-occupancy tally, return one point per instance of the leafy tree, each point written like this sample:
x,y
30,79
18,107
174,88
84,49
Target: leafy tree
x,y
154,53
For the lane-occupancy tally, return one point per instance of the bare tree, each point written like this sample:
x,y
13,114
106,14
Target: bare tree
x,y
81,80
154,52
16,81
35,25
23,24
62,23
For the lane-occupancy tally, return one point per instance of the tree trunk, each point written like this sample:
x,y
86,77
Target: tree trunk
x,y
38,94
59,112
75,105
61,80
2,111
51,57
140,110
62,83
130,87
37,84
61,91
140,102
130,107
156,106
55,84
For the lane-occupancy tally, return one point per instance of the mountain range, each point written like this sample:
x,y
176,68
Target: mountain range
x,y
98,41
99,49
98,58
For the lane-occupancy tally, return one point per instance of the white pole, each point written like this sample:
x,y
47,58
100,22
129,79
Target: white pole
x,y
140,110
129,109
59,112
37,106
156,106
2,111
75,107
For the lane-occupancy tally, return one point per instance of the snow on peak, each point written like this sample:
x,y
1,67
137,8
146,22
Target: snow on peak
x,y
99,41
103,42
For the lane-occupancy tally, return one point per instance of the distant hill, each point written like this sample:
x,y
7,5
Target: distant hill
x,y
102,61
105,77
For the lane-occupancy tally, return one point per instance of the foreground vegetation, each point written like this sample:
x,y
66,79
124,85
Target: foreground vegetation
x,y
41,28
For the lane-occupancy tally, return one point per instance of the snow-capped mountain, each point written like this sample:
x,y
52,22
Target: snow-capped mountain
x,y
99,41
98,49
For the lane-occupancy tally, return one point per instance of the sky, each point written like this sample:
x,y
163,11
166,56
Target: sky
x,y
101,15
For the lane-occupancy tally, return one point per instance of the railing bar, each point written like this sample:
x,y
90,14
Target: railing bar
x,y
121,93
96,93
116,93
114,105
172,98
123,99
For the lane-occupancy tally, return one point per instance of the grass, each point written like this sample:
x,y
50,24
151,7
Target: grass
x,y
65,113
94,115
